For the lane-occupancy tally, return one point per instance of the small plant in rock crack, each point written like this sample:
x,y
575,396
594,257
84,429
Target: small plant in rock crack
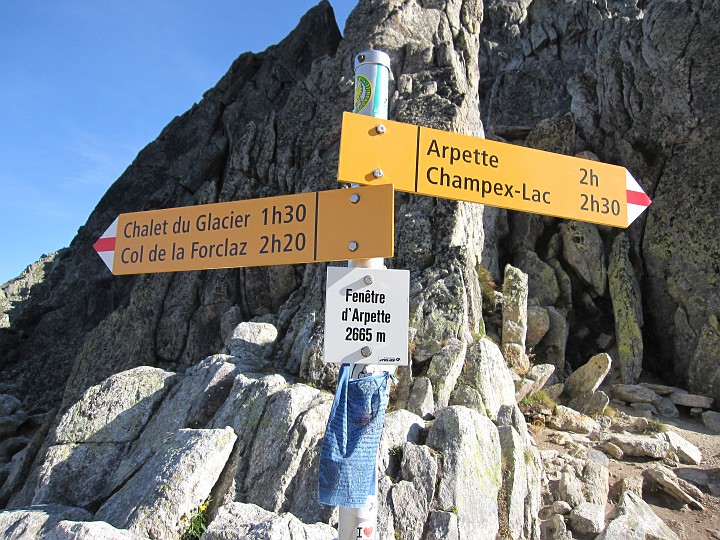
x,y
655,426
197,523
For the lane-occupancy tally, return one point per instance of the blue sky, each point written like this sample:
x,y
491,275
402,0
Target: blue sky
x,y
85,85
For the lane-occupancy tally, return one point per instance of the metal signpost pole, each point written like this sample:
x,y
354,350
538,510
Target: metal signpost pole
x,y
372,74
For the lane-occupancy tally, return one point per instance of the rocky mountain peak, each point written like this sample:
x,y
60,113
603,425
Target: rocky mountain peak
x,y
228,363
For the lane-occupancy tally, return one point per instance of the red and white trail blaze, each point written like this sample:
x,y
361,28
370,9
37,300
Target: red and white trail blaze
x,y
637,200
105,246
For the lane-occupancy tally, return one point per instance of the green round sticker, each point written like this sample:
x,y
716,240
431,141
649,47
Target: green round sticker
x,y
363,92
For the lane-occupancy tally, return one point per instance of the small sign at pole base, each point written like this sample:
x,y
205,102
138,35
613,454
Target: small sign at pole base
x,y
367,316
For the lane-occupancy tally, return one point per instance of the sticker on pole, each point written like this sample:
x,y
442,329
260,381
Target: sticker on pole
x,y
367,316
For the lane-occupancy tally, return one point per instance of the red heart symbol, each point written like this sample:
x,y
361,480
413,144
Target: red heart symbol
x,y
367,531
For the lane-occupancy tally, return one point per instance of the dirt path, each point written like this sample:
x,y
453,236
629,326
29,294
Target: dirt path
x,y
687,523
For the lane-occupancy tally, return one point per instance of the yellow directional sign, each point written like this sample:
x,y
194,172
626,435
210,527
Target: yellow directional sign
x,y
307,227
452,166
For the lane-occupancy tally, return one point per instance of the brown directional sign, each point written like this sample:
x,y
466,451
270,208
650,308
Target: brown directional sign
x,y
307,227
452,166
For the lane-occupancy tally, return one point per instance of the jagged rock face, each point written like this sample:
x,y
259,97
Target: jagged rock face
x,y
620,88
270,126
246,138
142,450
608,79
639,80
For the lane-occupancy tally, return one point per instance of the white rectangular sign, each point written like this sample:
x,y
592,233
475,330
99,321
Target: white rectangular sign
x,y
367,316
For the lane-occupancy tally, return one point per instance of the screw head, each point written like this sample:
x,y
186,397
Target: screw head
x,y
355,198
366,351
352,246
368,280
378,173
380,129
361,58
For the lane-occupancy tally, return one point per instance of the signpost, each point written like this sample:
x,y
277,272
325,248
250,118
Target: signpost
x,y
372,76
367,306
290,229
452,166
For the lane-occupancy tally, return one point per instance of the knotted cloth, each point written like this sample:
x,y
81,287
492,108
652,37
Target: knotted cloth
x,y
348,456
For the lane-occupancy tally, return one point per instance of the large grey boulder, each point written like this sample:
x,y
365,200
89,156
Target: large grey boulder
x,y
634,393
711,419
690,400
95,435
677,488
189,404
248,521
587,518
472,471
583,250
596,478
116,410
514,311
56,522
445,368
686,451
522,472
588,377
442,525
120,424
627,309
29,522
78,474
542,281
570,488
553,345
533,381
591,404
88,530
421,400
171,485
282,465
486,380
412,495
555,528
567,419
538,325
249,340
641,446
633,519
279,426
401,427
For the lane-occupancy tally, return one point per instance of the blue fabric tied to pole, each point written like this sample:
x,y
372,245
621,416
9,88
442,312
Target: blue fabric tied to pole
x,y
348,456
